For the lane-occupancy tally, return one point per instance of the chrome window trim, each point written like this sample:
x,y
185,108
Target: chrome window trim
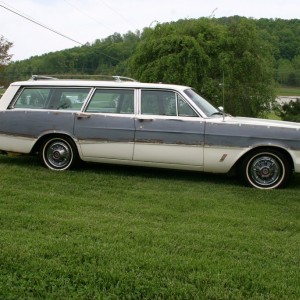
x,y
177,94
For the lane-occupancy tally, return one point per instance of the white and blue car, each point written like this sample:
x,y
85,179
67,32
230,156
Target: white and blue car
x,y
156,125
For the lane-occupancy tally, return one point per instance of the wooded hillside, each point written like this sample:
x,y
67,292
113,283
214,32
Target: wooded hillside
x,y
248,56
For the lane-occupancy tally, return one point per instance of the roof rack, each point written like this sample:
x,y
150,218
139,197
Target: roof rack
x,y
86,77
123,78
42,77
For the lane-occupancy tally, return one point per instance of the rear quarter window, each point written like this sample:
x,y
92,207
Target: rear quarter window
x,y
53,98
31,98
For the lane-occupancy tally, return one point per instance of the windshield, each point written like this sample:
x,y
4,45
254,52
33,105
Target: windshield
x,y
203,105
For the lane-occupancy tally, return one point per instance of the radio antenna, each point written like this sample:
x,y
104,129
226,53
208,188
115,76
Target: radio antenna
x,y
223,96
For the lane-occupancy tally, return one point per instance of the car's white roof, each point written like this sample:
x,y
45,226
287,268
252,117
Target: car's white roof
x,y
98,83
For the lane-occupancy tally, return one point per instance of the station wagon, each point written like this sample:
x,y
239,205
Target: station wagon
x,y
143,124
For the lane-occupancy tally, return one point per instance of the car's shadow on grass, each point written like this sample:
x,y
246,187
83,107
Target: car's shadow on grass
x,y
15,160
156,173
33,162
141,172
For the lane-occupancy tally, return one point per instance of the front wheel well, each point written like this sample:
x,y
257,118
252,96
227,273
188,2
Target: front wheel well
x,y
236,167
238,164
266,168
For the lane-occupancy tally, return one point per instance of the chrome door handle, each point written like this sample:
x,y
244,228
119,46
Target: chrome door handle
x,y
145,119
82,115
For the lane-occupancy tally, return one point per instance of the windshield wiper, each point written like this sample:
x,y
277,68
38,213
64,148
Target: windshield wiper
x,y
217,113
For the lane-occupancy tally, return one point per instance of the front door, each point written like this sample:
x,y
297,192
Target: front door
x,y
168,131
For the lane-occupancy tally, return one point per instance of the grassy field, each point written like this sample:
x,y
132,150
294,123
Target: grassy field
x,y
288,91
111,232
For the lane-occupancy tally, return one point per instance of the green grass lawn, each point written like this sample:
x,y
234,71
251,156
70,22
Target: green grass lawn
x,y
113,232
288,91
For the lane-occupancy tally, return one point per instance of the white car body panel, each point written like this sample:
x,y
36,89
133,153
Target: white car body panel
x,y
17,144
105,150
296,159
221,160
169,154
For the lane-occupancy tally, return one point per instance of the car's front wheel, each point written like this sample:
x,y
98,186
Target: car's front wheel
x,y
266,169
58,153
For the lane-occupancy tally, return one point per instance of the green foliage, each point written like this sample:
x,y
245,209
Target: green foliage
x,y
287,91
105,232
247,62
288,71
107,56
173,58
286,45
284,71
196,52
199,52
289,111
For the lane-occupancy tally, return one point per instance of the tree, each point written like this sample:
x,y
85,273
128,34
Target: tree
x,y
199,52
171,58
5,57
284,71
296,65
289,111
248,66
4,48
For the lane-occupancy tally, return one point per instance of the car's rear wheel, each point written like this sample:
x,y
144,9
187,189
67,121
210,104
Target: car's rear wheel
x,y
58,153
266,169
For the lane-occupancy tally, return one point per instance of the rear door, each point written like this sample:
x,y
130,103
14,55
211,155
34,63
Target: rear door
x,y
168,131
106,129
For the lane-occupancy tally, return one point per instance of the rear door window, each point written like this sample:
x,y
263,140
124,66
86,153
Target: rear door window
x,y
116,101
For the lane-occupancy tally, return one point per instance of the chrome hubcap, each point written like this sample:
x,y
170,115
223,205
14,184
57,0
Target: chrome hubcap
x,y
58,154
265,170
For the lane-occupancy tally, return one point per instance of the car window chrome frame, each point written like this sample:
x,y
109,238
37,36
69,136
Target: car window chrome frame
x,y
95,89
177,95
12,105
198,108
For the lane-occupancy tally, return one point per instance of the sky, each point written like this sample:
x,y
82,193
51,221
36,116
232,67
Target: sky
x,y
79,22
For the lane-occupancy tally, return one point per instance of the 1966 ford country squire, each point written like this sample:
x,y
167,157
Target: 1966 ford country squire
x,y
157,125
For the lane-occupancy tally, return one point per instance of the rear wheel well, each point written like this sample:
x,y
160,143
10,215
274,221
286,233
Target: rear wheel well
x,y
58,152
36,148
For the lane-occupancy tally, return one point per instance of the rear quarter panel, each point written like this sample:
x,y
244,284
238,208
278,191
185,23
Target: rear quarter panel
x,y
20,129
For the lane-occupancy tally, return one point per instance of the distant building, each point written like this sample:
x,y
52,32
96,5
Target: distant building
x,y
286,99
